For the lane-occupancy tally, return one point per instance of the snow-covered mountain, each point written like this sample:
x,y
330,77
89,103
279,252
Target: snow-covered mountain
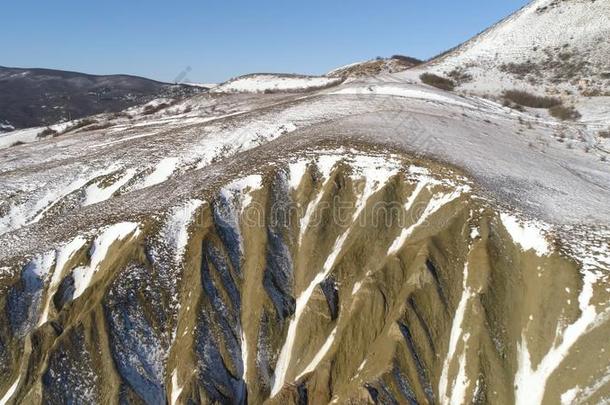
x,y
289,239
554,46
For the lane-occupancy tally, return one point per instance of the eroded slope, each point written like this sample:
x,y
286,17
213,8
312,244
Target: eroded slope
x,y
337,276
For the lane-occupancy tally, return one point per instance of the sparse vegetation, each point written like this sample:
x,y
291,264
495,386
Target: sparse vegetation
x,y
81,124
121,114
526,99
151,109
520,69
101,125
564,113
47,132
406,59
437,81
460,76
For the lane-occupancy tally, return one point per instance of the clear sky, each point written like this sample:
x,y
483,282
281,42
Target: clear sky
x,y
225,38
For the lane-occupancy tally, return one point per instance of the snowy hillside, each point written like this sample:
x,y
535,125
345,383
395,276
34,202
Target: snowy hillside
x,y
549,45
288,239
261,83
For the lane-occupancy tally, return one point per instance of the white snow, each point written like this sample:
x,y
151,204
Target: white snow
x,y
435,203
33,211
29,135
528,235
123,139
296,172
356,288
95,194
474,233
244,355
117,232
241,139
530,380
21,135
243,187
581,395
320,354
176,389
175,229
568,397
4,126
259,83
164,169
41,265
62,256
460,383
10,392
406,91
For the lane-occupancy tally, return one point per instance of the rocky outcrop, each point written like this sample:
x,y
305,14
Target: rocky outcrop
x,y
333,278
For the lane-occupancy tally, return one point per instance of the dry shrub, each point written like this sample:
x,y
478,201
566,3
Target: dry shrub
x,y
437,81
531,100
564,113
47,132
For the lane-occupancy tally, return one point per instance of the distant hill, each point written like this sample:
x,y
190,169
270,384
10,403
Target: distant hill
x,y
394,64
37,97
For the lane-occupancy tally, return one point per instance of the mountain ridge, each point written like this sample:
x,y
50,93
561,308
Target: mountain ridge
x,y
41,97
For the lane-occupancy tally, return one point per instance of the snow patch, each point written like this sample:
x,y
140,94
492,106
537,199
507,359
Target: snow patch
x,y
95,194
261,83
460,383
176,389
117,232
296,173
244,355
243,187
164,169
320,354
10,392
33,211
175,230
527,234
530,381
436,203
402,91
356,288
62,257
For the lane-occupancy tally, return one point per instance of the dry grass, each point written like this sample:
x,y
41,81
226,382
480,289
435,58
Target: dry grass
x,y
437,81
151,109
564,113
526,99
47,132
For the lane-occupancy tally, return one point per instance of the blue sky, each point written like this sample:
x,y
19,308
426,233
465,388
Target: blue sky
x,y
225,38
